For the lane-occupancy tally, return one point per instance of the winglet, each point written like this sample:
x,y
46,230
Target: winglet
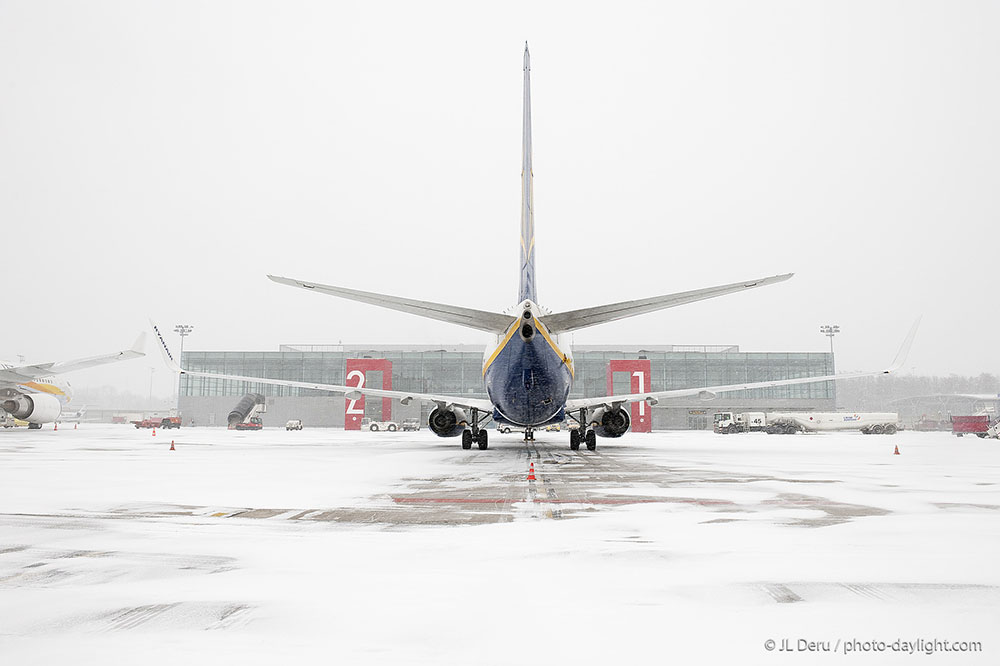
x,y
140,343
904,350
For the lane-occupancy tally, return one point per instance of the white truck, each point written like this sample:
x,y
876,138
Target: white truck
x,y
787,423
375,426
728,422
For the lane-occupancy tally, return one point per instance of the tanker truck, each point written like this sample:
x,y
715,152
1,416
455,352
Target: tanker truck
x,y
787,423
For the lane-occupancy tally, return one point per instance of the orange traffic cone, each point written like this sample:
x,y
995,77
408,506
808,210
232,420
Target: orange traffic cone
x,y
75,425
896,452
172,445
531,473
55,426
154,432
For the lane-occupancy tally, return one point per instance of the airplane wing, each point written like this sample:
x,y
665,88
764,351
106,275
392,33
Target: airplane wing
x,y
405,397
491,322
709,392
563,322
28,372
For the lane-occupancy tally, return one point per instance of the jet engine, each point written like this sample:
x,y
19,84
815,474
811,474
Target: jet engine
x,y
35,408
611,422
447,422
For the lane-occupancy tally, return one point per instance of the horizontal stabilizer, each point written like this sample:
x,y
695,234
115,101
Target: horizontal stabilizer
x,y
484,321
563,322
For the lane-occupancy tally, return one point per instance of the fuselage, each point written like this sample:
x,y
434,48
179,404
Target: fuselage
x,y
528,372
61,390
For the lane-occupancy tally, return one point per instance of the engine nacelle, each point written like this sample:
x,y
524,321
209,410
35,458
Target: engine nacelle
x,y
34,408
447,422
613,422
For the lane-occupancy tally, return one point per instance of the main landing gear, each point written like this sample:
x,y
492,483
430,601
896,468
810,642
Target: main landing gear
x,y
587,436
529,434
476,434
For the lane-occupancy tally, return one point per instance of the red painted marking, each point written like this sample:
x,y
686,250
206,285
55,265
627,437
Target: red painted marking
x,y
641,416
363,365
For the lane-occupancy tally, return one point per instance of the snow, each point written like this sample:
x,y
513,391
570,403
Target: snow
x,y
335,547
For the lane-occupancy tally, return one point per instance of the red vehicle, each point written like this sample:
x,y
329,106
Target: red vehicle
x,y
970,425
165,422
253,424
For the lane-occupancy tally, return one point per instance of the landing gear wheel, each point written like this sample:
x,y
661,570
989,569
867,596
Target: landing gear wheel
x,y
483,440
877,429
466,439
790,430
373,428
574,440
591,440
38,426
890,429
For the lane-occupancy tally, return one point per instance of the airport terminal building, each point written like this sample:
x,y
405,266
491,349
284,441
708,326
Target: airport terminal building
x,y
457,370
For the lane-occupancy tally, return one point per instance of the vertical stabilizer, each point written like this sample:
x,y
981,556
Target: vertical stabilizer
x,y
527,289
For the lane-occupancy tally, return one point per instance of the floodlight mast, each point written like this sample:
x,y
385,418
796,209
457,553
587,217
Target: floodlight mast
x,y
830,331
182,330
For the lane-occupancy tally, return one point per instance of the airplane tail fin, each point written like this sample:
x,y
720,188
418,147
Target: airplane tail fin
x,y
904,350
527,287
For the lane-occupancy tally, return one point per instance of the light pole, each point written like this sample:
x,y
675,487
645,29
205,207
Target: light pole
x,y
152,371
830,331
182,330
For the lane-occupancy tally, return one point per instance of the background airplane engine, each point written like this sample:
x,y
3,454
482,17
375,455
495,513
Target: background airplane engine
x,y
611,422
34,408
448,422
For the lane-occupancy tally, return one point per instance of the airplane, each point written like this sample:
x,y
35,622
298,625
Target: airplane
x,y
31,393
75,417
529,370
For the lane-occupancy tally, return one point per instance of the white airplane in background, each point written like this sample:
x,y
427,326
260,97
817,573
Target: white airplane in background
x,y
74,417
31,393
529,370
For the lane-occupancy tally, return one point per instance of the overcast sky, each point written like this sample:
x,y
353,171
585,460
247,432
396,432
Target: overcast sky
x,y
158,159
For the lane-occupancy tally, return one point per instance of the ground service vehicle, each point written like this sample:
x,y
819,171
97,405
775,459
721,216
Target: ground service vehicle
x,y
375,426
294,424
869,423
246,413
253,423
728,422
978,425
166,422
411,424
787,423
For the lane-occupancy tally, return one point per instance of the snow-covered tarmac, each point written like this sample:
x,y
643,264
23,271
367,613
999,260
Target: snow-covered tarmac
x,y
323,546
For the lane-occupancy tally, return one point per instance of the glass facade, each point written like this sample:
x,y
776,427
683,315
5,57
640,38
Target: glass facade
x,y
458,371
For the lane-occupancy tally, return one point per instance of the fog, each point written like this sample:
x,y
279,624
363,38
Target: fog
x,y
159,159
